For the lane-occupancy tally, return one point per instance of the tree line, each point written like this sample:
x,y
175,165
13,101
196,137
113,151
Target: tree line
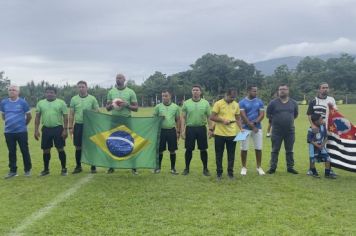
x,y
215,73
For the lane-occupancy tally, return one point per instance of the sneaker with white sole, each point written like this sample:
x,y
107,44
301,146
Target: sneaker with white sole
x,y
260,171
243,171
268,135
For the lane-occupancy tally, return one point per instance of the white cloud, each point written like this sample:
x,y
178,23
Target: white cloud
x,y
313,48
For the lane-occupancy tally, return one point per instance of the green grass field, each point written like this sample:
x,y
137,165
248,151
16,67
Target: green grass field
x,y
123,204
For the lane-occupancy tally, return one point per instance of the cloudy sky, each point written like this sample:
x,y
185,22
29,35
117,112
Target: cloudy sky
x,y
70,40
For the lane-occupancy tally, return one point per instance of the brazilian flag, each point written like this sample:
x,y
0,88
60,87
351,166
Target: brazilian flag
x,y
120,142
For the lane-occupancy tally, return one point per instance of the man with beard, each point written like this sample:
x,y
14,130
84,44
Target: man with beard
x,y
282,111
128,104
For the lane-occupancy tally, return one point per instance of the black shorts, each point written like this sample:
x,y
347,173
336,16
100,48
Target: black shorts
x,y
168,136
77,135
196,133
52,135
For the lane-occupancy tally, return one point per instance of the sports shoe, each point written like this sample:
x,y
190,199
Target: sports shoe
x,y
44,172
231,176
185,172
268,135
134,172
206,172
110,171
93,171
243,171
27,173
310,172
64,172
332,173
315,175
292,171
330,176
174,172
77,170
157,171
10,175
260,171
218,177
271,171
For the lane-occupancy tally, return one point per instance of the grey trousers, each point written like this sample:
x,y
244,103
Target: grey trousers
x,y
278,136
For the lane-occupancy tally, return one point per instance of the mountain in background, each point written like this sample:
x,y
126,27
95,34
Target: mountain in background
x,y
267,67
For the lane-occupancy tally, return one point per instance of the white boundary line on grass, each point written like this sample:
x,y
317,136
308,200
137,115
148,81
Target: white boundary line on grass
x,y
50,206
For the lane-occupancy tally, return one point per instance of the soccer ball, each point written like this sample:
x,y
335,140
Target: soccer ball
x,y
117,102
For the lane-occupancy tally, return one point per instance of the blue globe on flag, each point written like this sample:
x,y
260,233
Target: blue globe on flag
x,y
120,143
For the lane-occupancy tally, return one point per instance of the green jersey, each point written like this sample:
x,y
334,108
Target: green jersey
x,y
52,112
196,112
169,112
125,94
79,104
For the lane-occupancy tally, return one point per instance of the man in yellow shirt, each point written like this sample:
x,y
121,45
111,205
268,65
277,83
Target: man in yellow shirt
x,y
226,115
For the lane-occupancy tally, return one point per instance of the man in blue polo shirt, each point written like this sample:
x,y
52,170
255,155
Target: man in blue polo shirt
x,y
16,113
252,113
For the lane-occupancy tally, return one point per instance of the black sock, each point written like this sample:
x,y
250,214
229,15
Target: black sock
x,y
204,158
173,160
46,158
78,154
160,157
188,158
62,158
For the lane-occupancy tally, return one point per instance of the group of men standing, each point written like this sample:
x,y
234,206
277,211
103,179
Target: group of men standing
x,y
195,122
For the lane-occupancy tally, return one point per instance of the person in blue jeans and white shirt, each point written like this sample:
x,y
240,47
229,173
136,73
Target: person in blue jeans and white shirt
x,y
252,113
17,115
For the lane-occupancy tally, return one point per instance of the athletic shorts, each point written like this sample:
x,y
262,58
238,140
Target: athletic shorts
x,y
317,155
198,134
256,138
52,135
77,135
168,136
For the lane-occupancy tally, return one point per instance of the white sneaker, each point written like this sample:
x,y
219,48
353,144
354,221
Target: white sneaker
x,y
260,171
243,171
268,135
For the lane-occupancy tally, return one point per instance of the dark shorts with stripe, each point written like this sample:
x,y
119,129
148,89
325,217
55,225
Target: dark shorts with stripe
x,y
77,135
198,134
52,135
168,137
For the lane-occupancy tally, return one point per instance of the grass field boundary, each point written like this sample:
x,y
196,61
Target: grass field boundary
x,y
38,215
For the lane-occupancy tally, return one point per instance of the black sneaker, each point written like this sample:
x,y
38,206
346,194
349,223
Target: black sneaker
x,y
218,177
10,175
231,176
330,176
271,171
110,171
292,171
174,172
64,172
157,171
44,172
332,173
185,172
206,172
134,172
77,170
315,175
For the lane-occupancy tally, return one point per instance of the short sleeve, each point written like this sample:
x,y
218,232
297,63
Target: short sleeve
x,y
156,111
95,104
216,107
237,112
208,109
310,136
2,106
261,105
71,104
184,107
133,97
25,106
109,97
177,112
310,110
38,107
64,108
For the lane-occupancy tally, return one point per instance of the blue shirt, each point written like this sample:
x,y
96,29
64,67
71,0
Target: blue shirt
x,y
252,109
317,137
15,115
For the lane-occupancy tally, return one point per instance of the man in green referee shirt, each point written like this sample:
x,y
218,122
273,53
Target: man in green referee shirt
x,y
54,114
170,129
128,104
79,103
195,117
